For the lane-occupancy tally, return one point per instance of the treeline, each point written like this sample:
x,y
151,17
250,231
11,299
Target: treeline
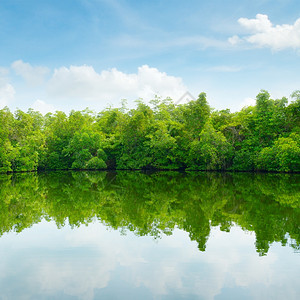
x,y
161,135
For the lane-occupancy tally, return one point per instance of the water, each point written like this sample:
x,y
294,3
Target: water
x,y
165,235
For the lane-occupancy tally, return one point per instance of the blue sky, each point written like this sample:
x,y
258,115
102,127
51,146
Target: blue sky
x,y
72,54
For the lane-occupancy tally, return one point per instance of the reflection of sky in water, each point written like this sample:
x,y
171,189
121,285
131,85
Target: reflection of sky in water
x,y
95,263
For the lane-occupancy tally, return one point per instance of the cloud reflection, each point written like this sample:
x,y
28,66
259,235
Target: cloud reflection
x,y
91,261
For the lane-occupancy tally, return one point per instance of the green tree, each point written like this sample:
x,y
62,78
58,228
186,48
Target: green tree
x,y
134,154
6,149
210,152
284,156
195,114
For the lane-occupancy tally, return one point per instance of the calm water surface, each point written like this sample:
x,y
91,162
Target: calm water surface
x,y
165,235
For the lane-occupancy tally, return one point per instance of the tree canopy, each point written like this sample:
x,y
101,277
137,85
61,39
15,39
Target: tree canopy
x,y
159,135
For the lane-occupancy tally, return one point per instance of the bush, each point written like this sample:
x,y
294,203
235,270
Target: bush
x,y
95,163
243,161
284,156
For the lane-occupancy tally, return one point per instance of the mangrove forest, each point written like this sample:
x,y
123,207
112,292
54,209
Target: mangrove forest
x,y
156,136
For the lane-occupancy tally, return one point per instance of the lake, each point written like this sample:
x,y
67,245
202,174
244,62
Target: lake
x,y
160,235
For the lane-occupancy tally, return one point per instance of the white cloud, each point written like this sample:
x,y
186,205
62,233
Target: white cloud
x,y
260,24
247,102
3,72
265,34
234,40
33,75
42,107
83,82
7,91
151,82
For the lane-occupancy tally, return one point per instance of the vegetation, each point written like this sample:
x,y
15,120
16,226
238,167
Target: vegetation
x,y
154,204
162,135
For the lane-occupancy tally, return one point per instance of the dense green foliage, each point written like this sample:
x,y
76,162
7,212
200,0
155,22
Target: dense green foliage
x,y
154,204
161,135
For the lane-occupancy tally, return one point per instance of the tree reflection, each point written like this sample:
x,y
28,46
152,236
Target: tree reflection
x,y
154,204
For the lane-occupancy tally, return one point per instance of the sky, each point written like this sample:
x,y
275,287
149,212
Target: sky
x,y
73,54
